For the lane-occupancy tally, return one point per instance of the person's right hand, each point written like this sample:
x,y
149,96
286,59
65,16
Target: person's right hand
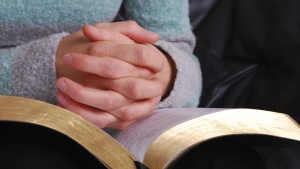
x,y
85,98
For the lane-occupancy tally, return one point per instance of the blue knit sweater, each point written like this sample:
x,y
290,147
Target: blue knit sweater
x,y
31,30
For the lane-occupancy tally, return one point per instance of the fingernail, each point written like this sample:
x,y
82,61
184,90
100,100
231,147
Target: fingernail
x,y
68,59
93,29
61,85
62,99
158,99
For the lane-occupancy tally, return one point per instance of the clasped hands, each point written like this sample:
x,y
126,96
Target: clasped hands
x,y
111,74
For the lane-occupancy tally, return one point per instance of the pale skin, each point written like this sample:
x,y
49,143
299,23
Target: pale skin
x,y
111,75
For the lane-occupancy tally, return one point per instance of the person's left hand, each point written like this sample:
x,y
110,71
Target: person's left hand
x,y
103,107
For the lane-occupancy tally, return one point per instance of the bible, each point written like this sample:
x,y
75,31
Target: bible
x,y
159,140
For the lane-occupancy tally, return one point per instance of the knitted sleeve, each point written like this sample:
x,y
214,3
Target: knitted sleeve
x,y
35,28
29,70
169,18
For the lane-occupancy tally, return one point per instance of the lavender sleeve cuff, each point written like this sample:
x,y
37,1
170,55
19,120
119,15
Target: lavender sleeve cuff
x,y
188,82
34,74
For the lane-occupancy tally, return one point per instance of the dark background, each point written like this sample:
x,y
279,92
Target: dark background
x,y
249,51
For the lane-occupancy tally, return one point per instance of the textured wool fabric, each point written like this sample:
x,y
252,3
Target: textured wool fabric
x,y
33,69
30,32
5,71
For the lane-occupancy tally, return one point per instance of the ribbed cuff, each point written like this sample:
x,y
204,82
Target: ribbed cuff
x,y
188,83
34,73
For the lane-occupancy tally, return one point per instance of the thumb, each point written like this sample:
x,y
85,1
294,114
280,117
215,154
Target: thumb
x,y
129,29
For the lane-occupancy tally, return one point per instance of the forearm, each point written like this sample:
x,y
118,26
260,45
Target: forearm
x,y
29,70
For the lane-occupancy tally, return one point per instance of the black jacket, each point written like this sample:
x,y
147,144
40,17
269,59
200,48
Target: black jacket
x,y
249,51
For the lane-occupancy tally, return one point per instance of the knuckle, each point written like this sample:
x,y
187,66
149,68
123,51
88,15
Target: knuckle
x,y
131,23
127,114
109,68
107,33
122,126
106,103
100,49
102,122
79,94
134,89
94,50
142,53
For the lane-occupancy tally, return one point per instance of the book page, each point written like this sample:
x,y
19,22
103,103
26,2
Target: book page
x,y
172,143
137,137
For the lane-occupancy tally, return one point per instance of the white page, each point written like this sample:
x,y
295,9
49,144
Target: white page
x,y
138,137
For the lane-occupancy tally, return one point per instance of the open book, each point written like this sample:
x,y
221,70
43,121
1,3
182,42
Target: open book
x,y
157,141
